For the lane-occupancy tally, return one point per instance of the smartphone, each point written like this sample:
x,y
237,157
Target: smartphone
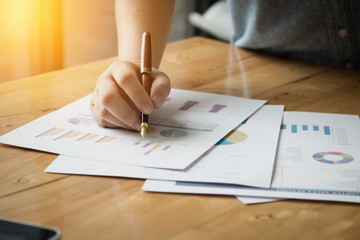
x,y
11,229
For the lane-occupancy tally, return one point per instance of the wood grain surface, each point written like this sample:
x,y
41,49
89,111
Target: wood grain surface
x,y
91,207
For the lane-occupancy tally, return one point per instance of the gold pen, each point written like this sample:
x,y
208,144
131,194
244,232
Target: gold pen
x,y
146,71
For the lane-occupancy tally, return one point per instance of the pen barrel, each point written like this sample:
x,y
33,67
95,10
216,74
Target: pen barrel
x,y
146,65
146,68
146,82
146,72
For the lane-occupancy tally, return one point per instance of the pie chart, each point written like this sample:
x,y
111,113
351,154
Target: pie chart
x,y
333,157
235,136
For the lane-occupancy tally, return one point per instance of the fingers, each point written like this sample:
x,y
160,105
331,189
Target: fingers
x,y
160,88
127,76
119,96
110,109
111,105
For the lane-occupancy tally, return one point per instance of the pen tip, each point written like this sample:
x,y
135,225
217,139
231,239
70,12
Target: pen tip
x,y
143,132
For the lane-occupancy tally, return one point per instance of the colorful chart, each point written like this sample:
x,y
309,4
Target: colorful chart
x,y
173,133
217,107
153,147
53,131
188,104
295,128
88,137
214,109
106,139
68,135
81,120
321,157
234,136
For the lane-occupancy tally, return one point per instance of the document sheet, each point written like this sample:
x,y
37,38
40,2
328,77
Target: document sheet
x,y
188,124
318,158
244,156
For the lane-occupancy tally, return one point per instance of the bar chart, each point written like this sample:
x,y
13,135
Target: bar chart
x,y
69,135
51,132
151,147
187,125
191,105
296,128
188,104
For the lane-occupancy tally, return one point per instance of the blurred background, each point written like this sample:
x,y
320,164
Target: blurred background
x,y
38,36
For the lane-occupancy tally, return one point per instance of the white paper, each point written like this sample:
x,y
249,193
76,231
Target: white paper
x,y
231,160
318,158
187,125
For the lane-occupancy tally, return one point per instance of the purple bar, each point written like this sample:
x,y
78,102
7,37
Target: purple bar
x,y
146,145
188,104
217,107
166,148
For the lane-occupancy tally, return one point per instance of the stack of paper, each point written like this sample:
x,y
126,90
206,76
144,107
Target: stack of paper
x,y
187,125
210,144
317,158
229,161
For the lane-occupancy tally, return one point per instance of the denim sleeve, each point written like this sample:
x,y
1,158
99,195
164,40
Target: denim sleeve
x,y
320,31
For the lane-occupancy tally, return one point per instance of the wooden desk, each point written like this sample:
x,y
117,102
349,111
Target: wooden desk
x,y
89,207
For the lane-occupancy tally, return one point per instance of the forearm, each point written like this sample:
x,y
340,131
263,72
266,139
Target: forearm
x,y
133,17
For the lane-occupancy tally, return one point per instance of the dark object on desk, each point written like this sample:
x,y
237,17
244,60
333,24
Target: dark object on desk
x,y
11,229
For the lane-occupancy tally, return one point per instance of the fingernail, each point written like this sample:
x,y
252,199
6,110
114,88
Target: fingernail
x,y
146,108
158,100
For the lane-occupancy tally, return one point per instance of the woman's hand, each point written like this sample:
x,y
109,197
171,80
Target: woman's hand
x,y
119,96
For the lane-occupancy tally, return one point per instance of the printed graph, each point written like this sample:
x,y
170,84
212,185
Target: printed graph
x,y
211,109
296,128
333,157
233,137
216,108
63,134
245,121
106,139
188,104
68,135
150,147
88,137
51,132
